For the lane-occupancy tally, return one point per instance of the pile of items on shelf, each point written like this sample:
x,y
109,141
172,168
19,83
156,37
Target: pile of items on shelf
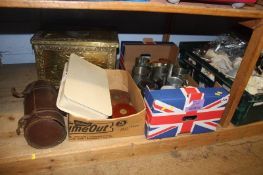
x,y
174,102
225,54
152,93
217,62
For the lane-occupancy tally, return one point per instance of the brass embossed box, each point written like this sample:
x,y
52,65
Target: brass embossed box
x,y
52,50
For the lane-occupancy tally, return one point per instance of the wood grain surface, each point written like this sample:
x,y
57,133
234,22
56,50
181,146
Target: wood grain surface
x,y
252,24
162,6
239,157
260,2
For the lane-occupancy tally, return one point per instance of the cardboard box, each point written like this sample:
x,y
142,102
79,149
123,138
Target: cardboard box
x,y
167,50
183,110
85,129
132,49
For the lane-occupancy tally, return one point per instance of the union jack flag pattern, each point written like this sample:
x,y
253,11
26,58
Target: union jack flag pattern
x,y
183,110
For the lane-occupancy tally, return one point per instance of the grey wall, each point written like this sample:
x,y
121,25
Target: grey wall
x,y
16,48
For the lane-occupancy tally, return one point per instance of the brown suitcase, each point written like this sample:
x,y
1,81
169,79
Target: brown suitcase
x,y
43,123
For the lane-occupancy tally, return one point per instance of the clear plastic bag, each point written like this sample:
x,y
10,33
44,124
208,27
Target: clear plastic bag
x,y
229,44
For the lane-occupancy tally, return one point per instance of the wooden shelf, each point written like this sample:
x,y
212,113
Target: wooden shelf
x,y
16,155
255,11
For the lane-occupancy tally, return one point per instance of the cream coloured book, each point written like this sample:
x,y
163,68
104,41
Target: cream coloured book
x,y
84,90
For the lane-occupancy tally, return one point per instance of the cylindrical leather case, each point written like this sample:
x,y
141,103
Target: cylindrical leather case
x,y
43,123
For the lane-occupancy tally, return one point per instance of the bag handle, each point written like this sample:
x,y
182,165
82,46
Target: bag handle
x,y
21,123
25,91
17,94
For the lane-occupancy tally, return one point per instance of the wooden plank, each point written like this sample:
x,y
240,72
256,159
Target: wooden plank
x,y
16,155
167,28
11,108
260,2
71,154
246,68
219,159
166,37
252,24
153,6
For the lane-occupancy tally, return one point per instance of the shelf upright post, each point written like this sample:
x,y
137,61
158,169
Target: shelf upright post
x,y
252,53
168,27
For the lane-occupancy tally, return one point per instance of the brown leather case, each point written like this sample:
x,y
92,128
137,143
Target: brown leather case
x,y
43,123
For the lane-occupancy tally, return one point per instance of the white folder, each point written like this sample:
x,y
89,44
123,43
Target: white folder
x,y
84,90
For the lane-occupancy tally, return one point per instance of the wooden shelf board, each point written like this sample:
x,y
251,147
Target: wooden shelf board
x,y
255,11
16,155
